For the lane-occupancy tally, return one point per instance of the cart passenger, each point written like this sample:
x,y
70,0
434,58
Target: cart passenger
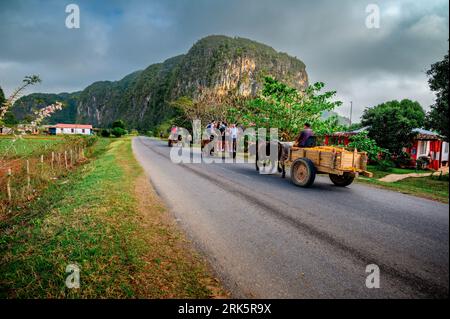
x,y
306,137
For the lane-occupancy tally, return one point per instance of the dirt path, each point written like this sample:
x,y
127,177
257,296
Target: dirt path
x,y
398,177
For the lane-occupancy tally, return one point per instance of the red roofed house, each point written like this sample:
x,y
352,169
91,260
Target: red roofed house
x,y
82,129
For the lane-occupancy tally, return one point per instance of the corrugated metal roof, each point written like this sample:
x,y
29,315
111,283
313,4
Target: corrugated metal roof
x,y
423,131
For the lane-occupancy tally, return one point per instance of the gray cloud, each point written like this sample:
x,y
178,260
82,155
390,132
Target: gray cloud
x,y
366,66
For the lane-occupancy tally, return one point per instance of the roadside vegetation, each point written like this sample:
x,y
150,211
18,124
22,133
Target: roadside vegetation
x,y
105,218
20,146
434,187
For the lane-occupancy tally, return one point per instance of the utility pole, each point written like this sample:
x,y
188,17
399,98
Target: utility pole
x,y
351,111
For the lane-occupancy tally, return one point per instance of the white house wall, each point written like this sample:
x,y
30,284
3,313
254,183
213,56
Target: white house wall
x,y
419,148
445,149
75,131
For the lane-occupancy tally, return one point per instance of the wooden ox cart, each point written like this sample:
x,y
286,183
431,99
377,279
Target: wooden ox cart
x,y
341,165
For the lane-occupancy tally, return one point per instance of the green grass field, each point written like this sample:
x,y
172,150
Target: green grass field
x,y
26,146
105,218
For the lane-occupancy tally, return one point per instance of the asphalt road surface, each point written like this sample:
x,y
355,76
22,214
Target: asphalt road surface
x,y
267,238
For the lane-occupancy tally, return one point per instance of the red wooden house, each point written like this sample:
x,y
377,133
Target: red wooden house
x,y
425,144
431,145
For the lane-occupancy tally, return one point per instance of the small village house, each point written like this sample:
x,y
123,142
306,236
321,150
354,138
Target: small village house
x,y
6,130
425,144
83,129
22,129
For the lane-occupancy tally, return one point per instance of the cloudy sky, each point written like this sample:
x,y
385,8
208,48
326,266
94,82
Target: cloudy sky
x,y
365,65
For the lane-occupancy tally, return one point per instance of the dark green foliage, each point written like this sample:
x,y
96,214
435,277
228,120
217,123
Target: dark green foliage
x,y
32,79
118,132
105,133
119,124
403,159
390,124
2,100
437,118
365,144
2,96
385,165
9,119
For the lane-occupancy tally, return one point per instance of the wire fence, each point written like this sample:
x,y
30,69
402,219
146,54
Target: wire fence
x,y
22,179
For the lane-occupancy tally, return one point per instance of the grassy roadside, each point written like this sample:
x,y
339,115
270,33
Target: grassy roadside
x,y
430,187
106,219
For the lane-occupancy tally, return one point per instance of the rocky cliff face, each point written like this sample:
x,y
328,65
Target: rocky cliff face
x,y
227,64
219,63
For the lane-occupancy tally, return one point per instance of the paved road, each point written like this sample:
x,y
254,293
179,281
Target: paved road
x,y
267,238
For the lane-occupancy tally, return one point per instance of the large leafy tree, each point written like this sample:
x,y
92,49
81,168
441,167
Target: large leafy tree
x,y
283,107
119,124
118,128
391,123
437,118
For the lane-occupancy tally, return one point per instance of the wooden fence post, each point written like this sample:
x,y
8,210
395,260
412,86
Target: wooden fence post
x,y
53,159
65,159
28,178
8,185
42,164
71,157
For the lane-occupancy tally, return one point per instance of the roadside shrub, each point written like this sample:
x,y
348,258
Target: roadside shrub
x,y
422,162
118,132
118,123
90,140
385,165
403,160
105,133
365,144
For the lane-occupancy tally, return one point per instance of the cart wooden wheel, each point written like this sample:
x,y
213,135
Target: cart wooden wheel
x,y
342,180
303,172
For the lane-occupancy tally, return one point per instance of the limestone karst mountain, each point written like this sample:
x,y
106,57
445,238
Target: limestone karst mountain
x,y
142,98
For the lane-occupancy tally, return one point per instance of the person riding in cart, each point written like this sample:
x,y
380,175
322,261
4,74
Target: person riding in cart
x,y
306,137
